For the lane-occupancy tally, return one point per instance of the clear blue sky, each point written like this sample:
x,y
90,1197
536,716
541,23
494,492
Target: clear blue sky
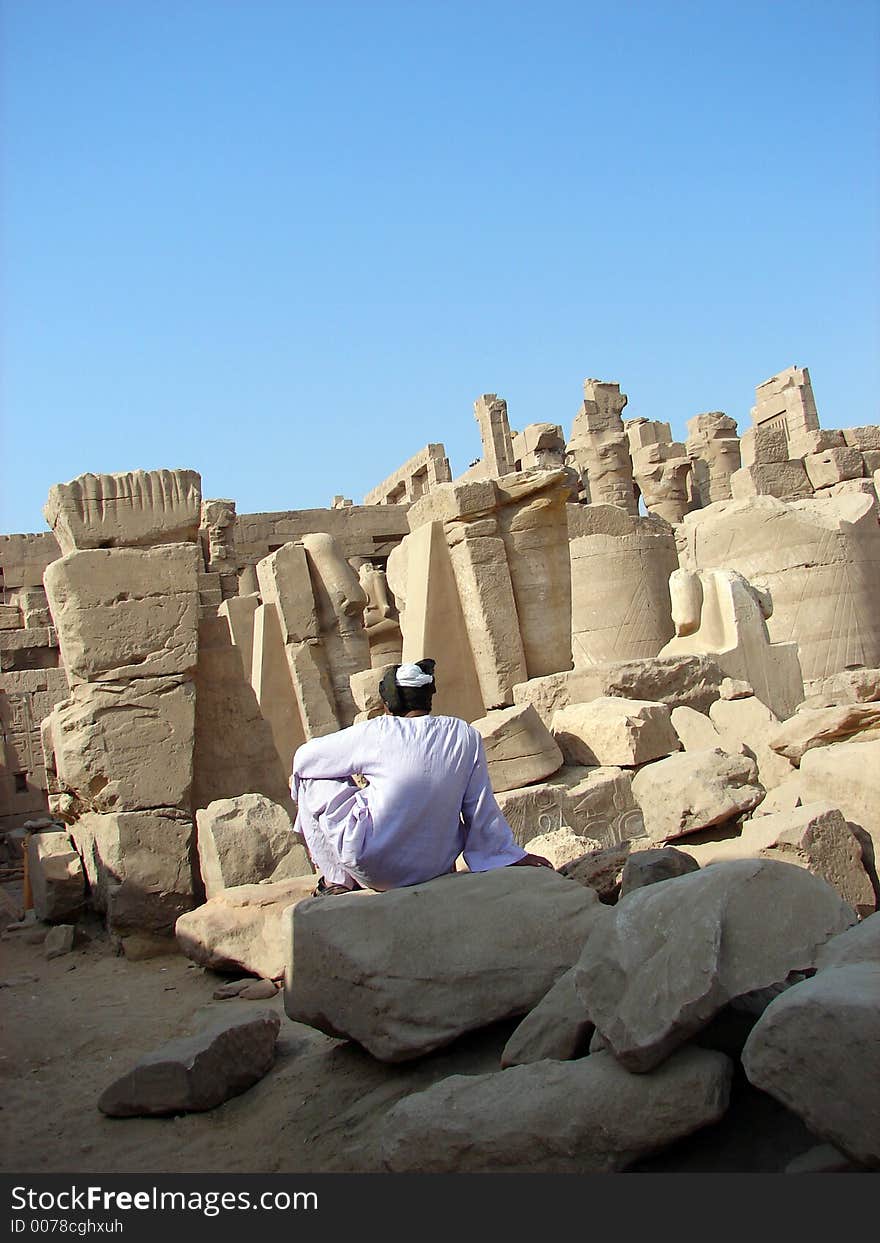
x,y
287,244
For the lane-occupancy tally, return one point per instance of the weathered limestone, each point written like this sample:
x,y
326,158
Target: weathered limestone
x,y
490,411
695,730
595,803
847,775
820,561
138,866
56,877
59,941
620,567
339,602
820,727
861,943
694,790
558,1028
815,837
125,746
365,690
719,613
672,955
381,618
746,727
217,534
833,466
234,750
413,479
661,469
650,867
393,971
24,558
562,847
240,929
242,841
601,870
714,451
583,1117
197,1072
786,401
125,612
520,750
599,450
540,446
609,730
139,508
787,481
816,1048
510,588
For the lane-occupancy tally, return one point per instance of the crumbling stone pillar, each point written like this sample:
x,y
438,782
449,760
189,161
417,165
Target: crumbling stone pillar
x,y
714,451
599,450
661,469
490,411
124,598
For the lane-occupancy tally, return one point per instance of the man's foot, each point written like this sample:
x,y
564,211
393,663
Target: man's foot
x,y
324,890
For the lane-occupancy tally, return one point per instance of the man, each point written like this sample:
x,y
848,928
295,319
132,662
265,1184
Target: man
x,y
427,797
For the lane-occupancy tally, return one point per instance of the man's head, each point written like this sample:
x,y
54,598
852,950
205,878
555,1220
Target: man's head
x,y
408,688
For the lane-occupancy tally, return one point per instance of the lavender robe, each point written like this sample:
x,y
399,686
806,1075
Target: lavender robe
x,y
428,801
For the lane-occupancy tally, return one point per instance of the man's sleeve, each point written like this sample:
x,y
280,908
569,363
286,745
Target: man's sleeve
x,y
489,841
333,757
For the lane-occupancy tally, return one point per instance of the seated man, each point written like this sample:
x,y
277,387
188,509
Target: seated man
x,y
427,799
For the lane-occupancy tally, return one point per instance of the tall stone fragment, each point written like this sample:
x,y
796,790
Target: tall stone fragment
x,y
137,509
713,448
490,411
598,448
56,877
242,841
620,567
786,401
661,468
519,748
339,604
820,561
381,617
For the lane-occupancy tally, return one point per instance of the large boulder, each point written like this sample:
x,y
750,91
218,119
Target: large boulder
x,y
408,971
694,790
860,943
519,747
558,1028
649,867
240,929
125,746
243,840
588,1116
608,730
56,877
196,1072
814,836
126,613
820,727
672,955
816,1048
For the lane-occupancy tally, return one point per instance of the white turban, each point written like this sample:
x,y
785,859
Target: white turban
x,y
412,675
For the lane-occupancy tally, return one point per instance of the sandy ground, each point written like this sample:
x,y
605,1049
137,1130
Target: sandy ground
x,y
73,1024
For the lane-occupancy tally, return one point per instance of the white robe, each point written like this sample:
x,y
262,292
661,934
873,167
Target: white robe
x,y
428,800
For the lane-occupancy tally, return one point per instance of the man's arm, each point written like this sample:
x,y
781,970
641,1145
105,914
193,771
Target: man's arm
x,y
333,757
489,841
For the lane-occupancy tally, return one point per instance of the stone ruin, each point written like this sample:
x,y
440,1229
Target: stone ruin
x,y
661,642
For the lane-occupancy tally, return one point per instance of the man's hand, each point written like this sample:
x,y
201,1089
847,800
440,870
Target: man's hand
x,y
532,861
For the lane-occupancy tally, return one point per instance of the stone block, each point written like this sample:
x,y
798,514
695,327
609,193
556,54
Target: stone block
x,y
243,840
137,509
846,774
747,727
864,438
787,481
672,955
820,727
582,1117
833,466
240,929
198,1072
56,877
558,1028
393,972
608,730
126,613
694,790
285,582
520,750
861,943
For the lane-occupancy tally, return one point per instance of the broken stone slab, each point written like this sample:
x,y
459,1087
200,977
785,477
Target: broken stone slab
x,y
649,867
609,730
846,774
814,836
601,870
240,928
848,686
746,726
595,803
816,1049
520,750
693,790
127,612
561,847
197,1072
558,1028
672,955
59,940
136,508
56,876
819,727
394,972
139,868
125,746
860,943
244,840
695,730
587,1116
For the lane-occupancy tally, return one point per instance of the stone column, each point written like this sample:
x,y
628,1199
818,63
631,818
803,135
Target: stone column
x,y
599,450
490,411
661,469
714,451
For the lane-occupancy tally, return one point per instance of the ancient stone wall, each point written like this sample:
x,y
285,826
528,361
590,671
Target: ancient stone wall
x,y
413,479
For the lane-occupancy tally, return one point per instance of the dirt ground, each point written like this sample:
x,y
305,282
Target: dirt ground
x,y
72,1024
